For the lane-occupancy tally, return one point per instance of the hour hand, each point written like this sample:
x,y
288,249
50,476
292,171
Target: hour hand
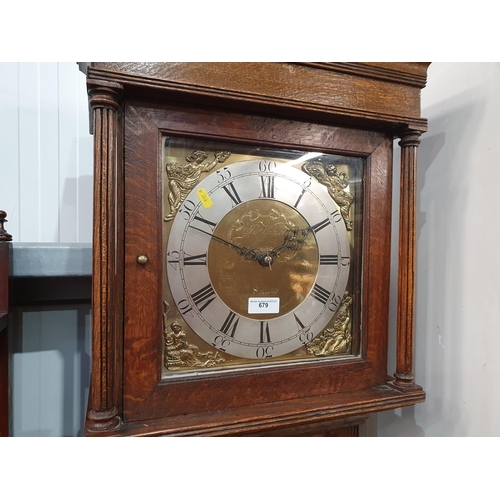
x,y
248,253
294,239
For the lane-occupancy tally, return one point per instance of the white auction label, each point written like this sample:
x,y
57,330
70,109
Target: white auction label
x,y
263,305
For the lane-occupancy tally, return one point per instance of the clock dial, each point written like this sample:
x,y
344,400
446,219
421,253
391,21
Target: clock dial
x,y
259,259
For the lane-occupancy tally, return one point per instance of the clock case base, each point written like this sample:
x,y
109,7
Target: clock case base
x,y
330,415
372,100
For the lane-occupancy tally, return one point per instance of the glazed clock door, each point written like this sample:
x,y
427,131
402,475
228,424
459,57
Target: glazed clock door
x,y
249,244
257,260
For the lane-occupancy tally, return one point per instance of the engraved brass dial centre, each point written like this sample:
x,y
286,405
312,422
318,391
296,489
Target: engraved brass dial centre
x,y
263,226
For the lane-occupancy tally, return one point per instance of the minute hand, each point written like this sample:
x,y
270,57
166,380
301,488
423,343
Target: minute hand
x,y
248,253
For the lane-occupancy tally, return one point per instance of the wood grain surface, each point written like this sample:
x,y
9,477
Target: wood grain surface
x,y
349,109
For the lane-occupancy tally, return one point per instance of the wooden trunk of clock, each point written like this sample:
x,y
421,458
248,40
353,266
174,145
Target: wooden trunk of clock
x,y
350,110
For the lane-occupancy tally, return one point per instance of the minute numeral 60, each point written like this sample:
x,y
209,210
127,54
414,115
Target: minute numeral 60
x,y
267,166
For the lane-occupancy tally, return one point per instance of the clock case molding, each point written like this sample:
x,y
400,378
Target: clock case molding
x,y
343,108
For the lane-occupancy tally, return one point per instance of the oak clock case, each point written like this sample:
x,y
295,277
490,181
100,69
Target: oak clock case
x,y
259,250
242,246
294,211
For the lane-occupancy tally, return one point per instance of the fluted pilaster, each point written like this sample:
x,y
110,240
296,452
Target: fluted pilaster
x,y
404,376
105,390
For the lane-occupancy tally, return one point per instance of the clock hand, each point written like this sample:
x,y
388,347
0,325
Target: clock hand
x,y
248,253
292,241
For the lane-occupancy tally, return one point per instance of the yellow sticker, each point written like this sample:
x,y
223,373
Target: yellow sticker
x,y
204,198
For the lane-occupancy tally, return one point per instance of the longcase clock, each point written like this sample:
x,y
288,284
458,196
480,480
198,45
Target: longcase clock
x,y
242,236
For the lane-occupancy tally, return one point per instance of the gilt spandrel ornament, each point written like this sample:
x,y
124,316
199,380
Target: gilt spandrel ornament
x,y
179,352
336,340
183,178
335,183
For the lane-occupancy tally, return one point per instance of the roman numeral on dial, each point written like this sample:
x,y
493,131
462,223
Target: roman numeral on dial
x,y
306,335
226,327
324,223
320,293
203,297
320,225
267,185
264,332
329,260
195,260
299,198
209,223
299,323
232,193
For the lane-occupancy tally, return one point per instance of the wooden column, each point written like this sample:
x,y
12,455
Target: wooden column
x,y
105,400
404,377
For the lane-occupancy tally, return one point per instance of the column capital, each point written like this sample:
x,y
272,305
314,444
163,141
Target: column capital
x,y
104,94
409,138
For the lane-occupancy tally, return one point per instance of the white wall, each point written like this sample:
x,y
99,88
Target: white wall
x,y
458,276
46,190
45,153
46,187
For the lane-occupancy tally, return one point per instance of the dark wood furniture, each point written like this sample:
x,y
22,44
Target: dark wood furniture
x,y
346,108
4,341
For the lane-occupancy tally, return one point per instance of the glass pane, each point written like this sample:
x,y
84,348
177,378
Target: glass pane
x,y
262,256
